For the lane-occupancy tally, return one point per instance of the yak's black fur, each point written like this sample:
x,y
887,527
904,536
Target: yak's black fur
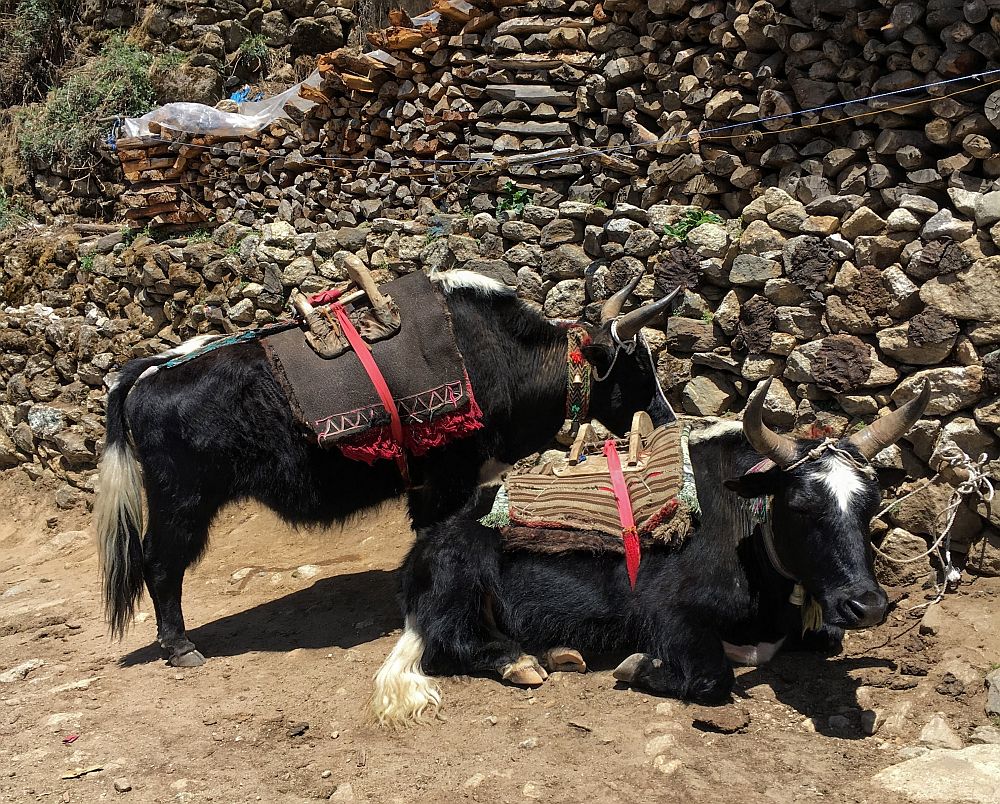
x,y
218,428
479,608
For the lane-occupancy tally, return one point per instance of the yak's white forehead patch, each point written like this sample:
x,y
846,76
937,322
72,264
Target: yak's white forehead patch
x,y
842,480
459,278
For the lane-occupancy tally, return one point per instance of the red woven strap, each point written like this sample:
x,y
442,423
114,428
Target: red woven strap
x,y
324,297
630,536
375,375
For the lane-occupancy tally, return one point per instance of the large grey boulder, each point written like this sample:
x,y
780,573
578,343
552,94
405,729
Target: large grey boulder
x,y
970,775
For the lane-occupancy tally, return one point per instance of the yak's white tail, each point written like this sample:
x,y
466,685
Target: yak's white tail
x,y
403,695
118,515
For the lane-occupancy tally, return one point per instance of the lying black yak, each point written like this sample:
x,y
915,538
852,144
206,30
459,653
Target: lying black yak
x,y
473,607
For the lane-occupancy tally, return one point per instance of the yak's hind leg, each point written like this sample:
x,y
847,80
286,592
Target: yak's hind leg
x,y
447,580
170,546
684,661
448,583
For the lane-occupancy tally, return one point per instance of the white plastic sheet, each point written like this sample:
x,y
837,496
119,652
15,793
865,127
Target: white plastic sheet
x,y
197,118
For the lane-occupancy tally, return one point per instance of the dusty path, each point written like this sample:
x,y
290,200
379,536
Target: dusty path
x,y
276,715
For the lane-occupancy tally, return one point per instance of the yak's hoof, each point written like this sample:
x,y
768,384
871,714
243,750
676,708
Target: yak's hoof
x,y
629,669
564,660
525,672
191,658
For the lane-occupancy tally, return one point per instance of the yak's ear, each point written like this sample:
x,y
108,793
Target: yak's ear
x,y
599,354
756,484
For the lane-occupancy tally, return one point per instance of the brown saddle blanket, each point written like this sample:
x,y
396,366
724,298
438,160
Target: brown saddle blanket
x,y
422,366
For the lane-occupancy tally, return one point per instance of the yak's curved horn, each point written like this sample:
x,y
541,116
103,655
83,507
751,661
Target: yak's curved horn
x,y
612,308
888,429
630,323
780,449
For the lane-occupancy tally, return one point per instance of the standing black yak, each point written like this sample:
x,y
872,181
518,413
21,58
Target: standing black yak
x,y
472,606
218,428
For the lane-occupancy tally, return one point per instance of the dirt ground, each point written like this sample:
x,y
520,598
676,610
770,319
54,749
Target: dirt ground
x,y
295,625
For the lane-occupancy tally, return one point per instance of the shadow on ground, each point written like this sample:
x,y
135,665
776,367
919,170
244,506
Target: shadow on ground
x,y
342,611
815,686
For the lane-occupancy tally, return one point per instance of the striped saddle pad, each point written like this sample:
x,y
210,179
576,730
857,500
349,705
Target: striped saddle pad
x,y
575,493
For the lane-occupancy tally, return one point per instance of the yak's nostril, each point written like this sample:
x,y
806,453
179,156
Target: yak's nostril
x,y
857,608
866,610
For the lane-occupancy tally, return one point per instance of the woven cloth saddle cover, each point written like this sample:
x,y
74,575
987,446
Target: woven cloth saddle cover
x,y
422,366
552,502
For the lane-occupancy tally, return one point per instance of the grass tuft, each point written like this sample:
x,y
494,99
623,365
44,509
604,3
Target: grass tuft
x,y
75,115
691,219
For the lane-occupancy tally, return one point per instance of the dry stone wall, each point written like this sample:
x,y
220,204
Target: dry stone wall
x,y
860,258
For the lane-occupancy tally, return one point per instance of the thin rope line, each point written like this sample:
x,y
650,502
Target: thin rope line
x,y
871,112
977,483
706,134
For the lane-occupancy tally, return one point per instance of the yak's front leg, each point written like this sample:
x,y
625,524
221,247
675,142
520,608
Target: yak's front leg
x,y
684,661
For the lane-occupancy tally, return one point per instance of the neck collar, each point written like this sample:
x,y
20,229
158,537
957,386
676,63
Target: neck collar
x,y
760,518
578,377
580,374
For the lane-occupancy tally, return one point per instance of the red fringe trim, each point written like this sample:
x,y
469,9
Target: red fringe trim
x,y
667,511
378,443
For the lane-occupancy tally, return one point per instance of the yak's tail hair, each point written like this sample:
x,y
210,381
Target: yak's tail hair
x,y
118,513
404,696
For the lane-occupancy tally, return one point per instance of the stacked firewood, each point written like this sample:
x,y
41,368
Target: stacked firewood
x,y
665,100
161,172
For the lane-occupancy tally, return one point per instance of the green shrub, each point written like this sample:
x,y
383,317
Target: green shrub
x,y
691,219
75,115
171,60
255,54
30,20
514,199
33,37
